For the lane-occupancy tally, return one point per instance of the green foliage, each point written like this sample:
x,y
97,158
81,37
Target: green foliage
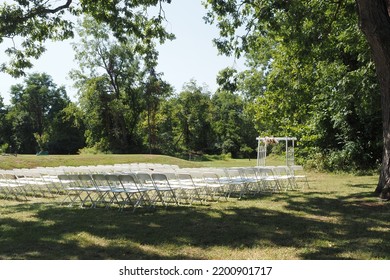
x,y
37,118
195,123
194,119
67,131
119,89
34,22
246,151
5,127
95,150
310,75
4,148
167,132
156,91
232,126
42,140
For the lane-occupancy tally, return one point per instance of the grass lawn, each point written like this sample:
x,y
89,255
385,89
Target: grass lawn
x,y
337,218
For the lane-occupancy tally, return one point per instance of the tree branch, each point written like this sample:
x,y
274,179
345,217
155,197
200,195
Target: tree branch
x,y
59,8
339,3
43,11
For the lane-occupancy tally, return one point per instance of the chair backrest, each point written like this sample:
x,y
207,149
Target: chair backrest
x,y
8,176
86,181
173,179
233,173
99,177
128,178
185,177
264,171
250,173
64,178
280,170
296,168
145,180
72,177
159,177
162,180
211,179
7,179
143,177
101,182
128,181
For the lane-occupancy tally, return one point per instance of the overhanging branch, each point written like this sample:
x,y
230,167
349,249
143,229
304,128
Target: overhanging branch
x,y
41,10
59,8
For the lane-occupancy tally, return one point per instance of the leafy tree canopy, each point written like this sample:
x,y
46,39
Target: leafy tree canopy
x,y
310,74
28,24
37,117
118,85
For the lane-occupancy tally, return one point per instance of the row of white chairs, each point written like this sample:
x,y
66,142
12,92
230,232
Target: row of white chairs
x,y
185,186
149,186
23,183
134,190
43,181
244,181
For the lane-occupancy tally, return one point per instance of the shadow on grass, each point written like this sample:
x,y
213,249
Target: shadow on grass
x,y
316,225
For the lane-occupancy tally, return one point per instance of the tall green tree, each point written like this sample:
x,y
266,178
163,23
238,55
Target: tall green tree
x,y
5,128
67,130
118,83
156,90
36,116
168,133
193,111
310,74
264,18
231,124
374,18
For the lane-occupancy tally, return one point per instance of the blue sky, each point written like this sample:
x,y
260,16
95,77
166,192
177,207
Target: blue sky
x,y
190,56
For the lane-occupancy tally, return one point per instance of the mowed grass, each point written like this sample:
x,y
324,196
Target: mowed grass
x,y
31,161
338,217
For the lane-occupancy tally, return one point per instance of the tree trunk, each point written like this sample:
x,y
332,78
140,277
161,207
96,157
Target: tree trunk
x,y
375,24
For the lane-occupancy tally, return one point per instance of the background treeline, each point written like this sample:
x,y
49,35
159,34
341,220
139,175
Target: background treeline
x,y
317,84
41,117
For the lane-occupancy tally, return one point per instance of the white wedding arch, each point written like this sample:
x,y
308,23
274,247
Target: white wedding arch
x,y
263,142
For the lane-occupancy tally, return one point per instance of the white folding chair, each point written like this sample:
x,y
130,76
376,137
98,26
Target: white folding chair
x,y
299,176
164,188
71,187
199,182
192,190
254,184
237,182
183,189
107,192
285,178
135,193
115,190
31,182
269,180
10,187
145,180
215,188
49,175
